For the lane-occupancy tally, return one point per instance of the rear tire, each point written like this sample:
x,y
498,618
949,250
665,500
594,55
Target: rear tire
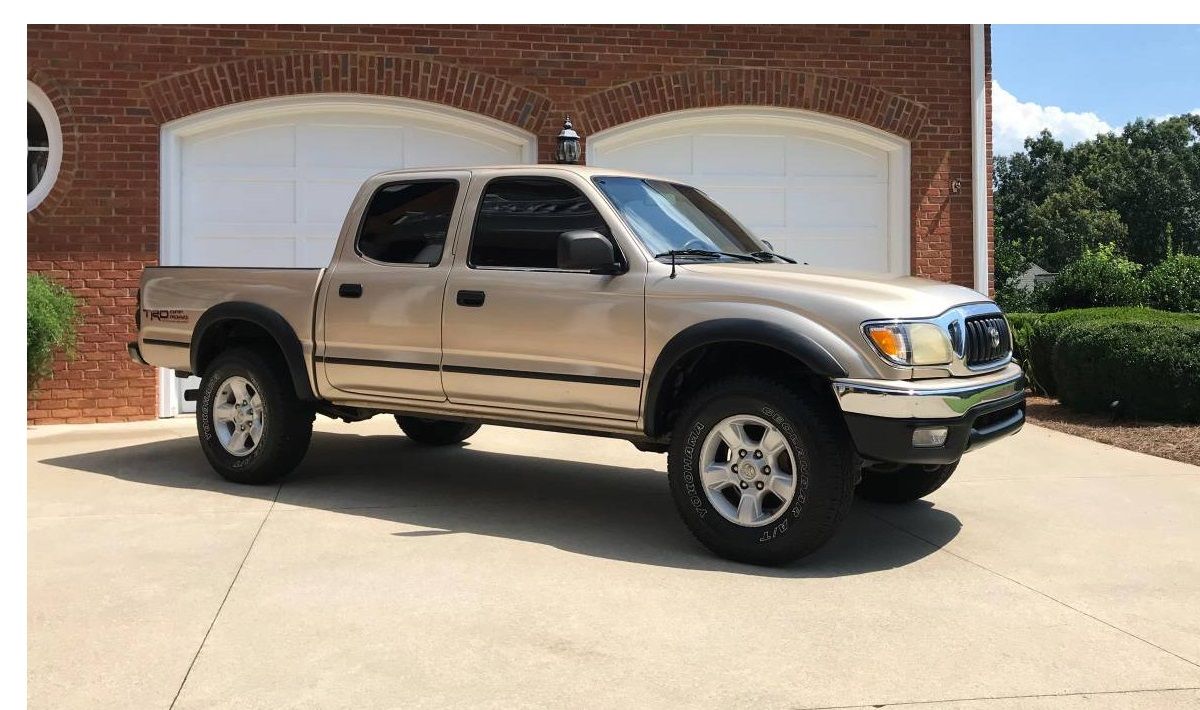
x,y
904,485
252,426
435,432
786,496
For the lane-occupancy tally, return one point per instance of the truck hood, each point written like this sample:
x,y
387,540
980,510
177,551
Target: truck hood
x,y
860,295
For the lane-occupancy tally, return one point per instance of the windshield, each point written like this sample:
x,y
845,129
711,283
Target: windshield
x,y
671,217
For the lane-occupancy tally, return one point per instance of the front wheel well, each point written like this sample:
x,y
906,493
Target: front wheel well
x,y
705,364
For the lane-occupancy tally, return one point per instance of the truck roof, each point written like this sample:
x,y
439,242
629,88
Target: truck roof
x,y
585,170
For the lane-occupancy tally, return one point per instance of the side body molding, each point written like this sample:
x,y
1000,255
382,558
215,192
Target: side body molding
x,y
734,330
270,321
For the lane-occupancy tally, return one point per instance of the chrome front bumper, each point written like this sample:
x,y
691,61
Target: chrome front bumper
x,y
942,398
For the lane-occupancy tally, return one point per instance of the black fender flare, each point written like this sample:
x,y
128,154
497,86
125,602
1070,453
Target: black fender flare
x,y
727,330
270,321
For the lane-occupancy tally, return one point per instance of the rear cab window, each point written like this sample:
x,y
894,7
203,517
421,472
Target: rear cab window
x,y
406,222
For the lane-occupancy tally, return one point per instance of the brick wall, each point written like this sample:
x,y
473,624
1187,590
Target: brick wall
x,y
114,85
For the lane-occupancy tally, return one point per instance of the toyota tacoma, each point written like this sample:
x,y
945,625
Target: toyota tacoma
x,y
601,302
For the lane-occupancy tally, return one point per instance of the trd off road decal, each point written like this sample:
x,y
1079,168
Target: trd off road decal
x,y
689,463
168,315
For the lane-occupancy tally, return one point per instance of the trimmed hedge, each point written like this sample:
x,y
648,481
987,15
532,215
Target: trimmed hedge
x,y
52,315
1149,367
1147,360
1035,336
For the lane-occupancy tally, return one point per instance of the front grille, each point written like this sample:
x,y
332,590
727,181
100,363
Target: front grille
x,y
987,340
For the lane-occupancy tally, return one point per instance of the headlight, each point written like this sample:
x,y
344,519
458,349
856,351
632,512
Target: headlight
x,y
911,343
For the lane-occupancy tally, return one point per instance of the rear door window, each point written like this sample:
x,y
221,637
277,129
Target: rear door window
x,y
407,222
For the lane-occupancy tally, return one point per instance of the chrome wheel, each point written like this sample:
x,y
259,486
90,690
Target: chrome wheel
x,y
238,416
747,468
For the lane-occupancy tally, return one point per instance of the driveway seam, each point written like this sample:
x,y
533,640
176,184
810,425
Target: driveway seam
x,y
999,697
225,598
943,548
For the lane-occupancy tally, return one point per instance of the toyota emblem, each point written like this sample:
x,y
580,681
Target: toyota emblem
x,y
994,334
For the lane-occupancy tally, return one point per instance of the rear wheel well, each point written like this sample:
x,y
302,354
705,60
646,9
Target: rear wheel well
x,y
709,363
233,332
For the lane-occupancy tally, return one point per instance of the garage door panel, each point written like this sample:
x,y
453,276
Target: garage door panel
x,y
252,251
261,146
238,201
348,146
440,149
668,156
814,157
325,202
855,206
729,154
754,207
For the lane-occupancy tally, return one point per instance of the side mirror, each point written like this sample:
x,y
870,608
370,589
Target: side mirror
x,y
585,250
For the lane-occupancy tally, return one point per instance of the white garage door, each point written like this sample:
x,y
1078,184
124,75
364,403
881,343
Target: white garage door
x,y
822,190
267,183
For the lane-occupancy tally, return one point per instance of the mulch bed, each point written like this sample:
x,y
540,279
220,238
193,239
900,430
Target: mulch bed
x,y
1180,442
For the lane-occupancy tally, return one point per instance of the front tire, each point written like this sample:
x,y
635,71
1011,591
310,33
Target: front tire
x,y
435,432
252,426
759,471
904,484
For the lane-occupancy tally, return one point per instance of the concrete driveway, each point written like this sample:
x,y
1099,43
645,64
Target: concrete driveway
x,y
536,569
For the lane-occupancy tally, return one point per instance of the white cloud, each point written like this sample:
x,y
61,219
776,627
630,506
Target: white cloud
x,y
1173,115
1013,121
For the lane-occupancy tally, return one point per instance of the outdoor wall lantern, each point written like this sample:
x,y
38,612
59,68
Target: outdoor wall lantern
x,y
567,150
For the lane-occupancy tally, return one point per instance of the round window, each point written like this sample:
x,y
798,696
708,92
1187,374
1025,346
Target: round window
x,y
44,153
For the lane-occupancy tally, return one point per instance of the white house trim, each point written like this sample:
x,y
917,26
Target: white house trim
x,y
38,99
897,149
979,176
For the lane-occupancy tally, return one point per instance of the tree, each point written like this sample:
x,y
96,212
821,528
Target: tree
x,y
1069,222
1139,189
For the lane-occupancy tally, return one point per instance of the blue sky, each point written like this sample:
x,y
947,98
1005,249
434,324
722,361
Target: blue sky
x,y
1078,80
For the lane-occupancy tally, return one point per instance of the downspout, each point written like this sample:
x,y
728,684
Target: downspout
x,y
979,176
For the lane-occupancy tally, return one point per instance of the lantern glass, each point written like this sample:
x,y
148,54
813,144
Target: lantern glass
x,y
567,150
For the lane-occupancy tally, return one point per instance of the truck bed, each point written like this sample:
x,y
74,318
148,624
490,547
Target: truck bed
x,y
174,297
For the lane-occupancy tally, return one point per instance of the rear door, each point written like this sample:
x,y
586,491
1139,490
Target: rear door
x,y
383,299
521,333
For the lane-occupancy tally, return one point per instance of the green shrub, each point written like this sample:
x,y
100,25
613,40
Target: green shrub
x,y
1101,277
1174,285
52,317
1150,366
1012,298
1035,335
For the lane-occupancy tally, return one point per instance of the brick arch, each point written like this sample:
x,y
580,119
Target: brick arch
x,y
710,87
216,85
68,123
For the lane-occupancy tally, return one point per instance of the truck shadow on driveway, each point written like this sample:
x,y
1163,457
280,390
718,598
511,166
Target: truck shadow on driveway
x,y
590,509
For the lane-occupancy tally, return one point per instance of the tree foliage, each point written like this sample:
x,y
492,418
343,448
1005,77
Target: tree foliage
x,y
1138,190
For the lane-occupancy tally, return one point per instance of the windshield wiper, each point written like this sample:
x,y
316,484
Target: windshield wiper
x,y
708,252
704,252
765,254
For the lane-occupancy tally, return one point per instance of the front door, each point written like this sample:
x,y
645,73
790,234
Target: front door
x,y
521,333
383,300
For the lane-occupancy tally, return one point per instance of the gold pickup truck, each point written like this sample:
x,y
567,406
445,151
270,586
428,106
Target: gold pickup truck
x,y
606,303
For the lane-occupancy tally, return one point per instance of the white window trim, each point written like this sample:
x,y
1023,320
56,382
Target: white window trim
x,y
42,104
898,150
